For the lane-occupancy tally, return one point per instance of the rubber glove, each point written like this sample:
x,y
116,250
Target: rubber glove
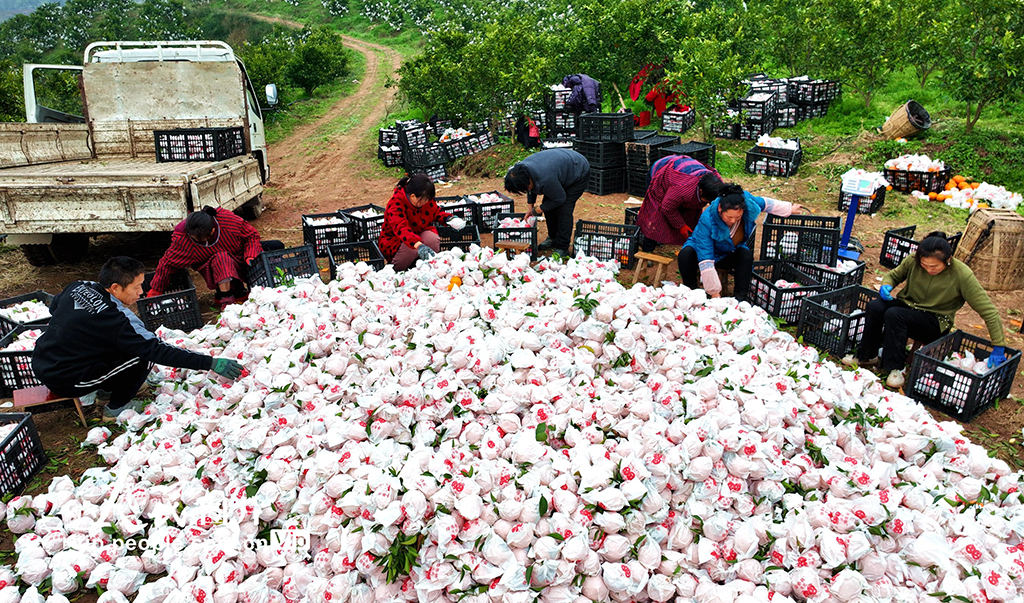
x,y
425,252
226,367
686,231
457,223
997,357
886,292
154,293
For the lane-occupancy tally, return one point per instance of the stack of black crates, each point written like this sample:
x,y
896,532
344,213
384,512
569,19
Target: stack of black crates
x,y
775,103
640,156
602,138
559,121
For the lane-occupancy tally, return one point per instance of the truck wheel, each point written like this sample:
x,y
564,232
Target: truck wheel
x,y
253,209
69,248
38,255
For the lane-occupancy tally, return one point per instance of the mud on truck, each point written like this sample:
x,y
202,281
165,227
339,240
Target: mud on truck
x,y
65,178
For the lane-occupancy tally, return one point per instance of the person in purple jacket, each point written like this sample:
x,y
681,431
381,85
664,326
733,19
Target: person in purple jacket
x,y
586,93
679,189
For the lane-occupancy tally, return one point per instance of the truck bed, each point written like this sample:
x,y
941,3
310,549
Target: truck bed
x,y
120,194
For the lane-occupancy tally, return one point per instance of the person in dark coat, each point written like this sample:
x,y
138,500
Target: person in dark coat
x,y
94,343
586,93
680,187
561,175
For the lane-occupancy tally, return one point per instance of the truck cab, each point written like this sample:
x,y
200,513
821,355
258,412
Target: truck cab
x,y
66,177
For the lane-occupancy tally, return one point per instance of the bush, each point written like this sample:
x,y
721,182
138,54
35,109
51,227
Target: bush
x,y
318,59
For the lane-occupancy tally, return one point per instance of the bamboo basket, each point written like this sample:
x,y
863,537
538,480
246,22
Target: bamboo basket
x,y
993,246
908,120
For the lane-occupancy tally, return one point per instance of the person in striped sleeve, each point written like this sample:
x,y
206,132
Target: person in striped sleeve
x,y
219,246
679,188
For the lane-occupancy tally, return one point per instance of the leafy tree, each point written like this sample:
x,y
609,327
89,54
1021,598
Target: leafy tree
x,y
794,28
925,45
167,20
319,59
983,54
265,62
706,72
12,106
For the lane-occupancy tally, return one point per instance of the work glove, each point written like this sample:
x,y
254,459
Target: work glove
x,y
997,357
425,252
457,223
154,293
226,367
686,231
886,292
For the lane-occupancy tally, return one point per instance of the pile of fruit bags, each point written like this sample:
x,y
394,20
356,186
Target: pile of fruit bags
x,y
26,311
536,433
915,163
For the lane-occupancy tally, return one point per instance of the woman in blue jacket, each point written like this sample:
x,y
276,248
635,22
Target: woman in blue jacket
x,y
720,240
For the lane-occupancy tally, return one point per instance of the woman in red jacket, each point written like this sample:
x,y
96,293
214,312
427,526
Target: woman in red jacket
x,y
408,232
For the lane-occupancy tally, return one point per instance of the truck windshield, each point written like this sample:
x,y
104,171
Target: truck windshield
x,y
58,96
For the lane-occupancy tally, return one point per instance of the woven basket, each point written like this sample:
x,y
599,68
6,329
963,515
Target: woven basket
x,y
908,120
993,246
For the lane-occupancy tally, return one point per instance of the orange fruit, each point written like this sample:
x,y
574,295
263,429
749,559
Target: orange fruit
x,y
455,282
949,186
964,185
958,178
888,188
975,184
932,196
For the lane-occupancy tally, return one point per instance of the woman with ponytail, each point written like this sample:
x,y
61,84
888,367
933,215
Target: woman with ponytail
x,y
936,286
408,232
720,240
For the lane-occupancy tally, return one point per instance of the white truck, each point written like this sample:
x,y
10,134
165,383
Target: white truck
x,y
65,178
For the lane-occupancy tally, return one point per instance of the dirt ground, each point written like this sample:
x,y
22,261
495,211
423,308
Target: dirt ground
x,y
312,173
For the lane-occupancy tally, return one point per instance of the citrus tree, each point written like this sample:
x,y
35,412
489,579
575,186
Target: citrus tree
x,y
706,71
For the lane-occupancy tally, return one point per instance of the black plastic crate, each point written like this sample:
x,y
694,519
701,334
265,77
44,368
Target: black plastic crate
x,y
754,130
601,154
759,161
436,173
632,216
564,140
757,109
801,238
486,212
199,144
390,156
555,100
906,181
369,228
451,238
642,134
412,134
832,279
953,390
16,366
730,131
457,147
279,267
355,251
641,154
608,242
426,155
458,207
540,118
898,243
786,115
440,125
701,151
782,303
834,321
813,92
636,182
177,308
678,121
7,325
805,112
606,127
321,236
607,181
482,141
387,137
778,86
865,205
21,454
561,121
516,235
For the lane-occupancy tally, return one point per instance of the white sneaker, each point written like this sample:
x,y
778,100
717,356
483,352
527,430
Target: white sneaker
x,y
851,360
896,379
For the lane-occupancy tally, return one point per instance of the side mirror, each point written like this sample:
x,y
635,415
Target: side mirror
x,y
272,94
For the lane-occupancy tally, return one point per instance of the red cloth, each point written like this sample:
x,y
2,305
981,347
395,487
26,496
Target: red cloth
x,y
235,243
402,221
673,199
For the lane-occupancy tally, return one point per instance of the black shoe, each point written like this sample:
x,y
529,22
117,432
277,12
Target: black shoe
x,y
561,252
546,244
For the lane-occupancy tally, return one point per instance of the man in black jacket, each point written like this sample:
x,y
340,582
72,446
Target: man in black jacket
x,y
561,176
95,343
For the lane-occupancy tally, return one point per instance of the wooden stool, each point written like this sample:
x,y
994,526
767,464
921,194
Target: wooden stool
x,y
642,258
514,246
41,399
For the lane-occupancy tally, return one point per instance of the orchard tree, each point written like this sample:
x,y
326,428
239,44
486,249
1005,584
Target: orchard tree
x,y
706,72
984,52
12,105
265,62
793,29
320,58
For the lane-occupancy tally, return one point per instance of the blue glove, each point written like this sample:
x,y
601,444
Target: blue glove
x,y
425,252
886,292
997,357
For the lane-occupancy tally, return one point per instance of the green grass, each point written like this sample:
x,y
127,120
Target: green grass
x,y
281,123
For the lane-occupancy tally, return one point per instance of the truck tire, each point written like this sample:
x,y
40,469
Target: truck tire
x,y
253,209
69,248
38,255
